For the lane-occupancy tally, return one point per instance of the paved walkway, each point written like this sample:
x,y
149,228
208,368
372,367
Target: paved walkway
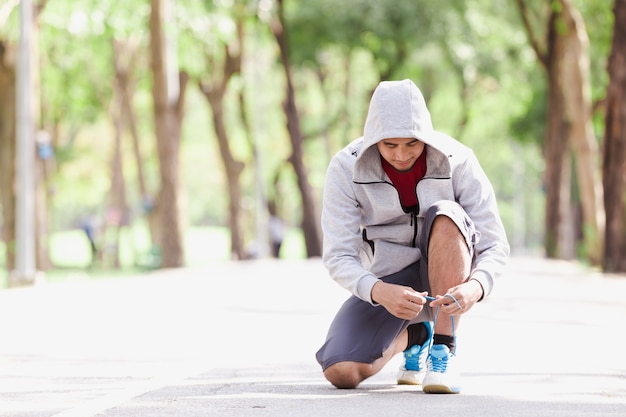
x,y
239,340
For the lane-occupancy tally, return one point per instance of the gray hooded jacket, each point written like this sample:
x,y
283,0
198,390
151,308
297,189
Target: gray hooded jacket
x,y
360,198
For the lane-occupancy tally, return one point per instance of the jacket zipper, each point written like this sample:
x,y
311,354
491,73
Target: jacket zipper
x,y
414,224
413,214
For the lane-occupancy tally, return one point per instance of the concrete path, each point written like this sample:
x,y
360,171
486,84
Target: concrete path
x,y
239,340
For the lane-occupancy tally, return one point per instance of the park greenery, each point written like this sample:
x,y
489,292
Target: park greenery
x,y
235,62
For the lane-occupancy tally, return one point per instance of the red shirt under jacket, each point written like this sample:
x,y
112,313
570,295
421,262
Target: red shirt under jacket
x,y
406,181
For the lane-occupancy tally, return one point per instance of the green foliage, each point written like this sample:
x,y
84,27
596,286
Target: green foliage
x,y
76,50
598,17
76,47
528,126
471,59
388,30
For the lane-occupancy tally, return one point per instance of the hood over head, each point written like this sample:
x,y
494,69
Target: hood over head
x,y
397,110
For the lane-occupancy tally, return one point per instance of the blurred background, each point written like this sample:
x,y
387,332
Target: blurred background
x,y
142,134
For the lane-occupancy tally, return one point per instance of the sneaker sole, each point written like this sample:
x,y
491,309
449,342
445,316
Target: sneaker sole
x,y
410,377
408,382
440,389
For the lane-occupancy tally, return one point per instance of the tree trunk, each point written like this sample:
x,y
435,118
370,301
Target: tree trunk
x,y
310,220
576,86
614,166
214,90
558,180
117,208
233,167
7,151
168,96
42,165
565,59
8,147
262,228
126,53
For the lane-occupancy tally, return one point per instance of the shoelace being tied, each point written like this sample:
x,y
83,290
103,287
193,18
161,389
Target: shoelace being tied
x,y
442,364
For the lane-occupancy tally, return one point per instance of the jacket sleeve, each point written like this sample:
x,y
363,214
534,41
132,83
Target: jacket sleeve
x,y
476,195
341,220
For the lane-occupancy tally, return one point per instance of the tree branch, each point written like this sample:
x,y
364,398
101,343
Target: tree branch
x,y
532,37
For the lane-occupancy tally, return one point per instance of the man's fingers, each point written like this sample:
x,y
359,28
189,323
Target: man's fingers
x,y
417,298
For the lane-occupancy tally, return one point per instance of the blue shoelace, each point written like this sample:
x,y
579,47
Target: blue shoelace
x,y
440,364
413,358
450,296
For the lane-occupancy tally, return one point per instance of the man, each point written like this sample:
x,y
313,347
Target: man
x,y
408,213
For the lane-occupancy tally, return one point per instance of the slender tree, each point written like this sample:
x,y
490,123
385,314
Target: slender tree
x,y
117,212
7,143
310,219
168,91
43,169
214,86
614,167
7,149
126,58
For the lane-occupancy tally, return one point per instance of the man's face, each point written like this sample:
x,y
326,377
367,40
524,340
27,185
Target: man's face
x,y
401,153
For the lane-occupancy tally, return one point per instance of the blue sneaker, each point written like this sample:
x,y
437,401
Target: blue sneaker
x,y
442,377
414,368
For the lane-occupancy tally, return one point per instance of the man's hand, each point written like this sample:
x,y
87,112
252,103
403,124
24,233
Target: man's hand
x,y
466,295
403,302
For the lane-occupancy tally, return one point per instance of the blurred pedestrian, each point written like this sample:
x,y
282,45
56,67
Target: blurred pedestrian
x,y
87,226
276,229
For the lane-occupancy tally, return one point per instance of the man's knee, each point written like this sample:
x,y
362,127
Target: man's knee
x,y
343,375
447,221
446,236
445,227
